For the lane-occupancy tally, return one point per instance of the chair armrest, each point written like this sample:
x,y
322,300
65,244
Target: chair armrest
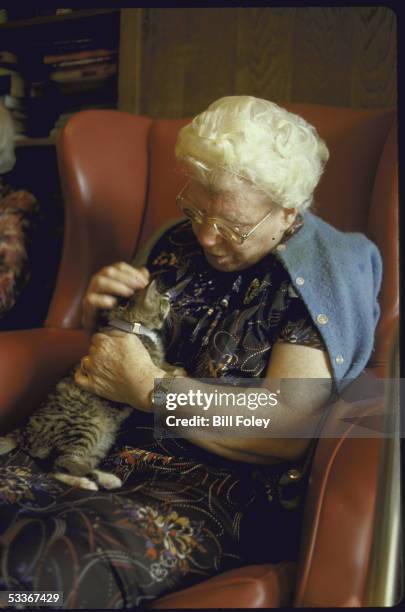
x,y
253,586
339,517
31,361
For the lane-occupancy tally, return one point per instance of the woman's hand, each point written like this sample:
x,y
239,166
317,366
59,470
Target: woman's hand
x,y
117,280
119,368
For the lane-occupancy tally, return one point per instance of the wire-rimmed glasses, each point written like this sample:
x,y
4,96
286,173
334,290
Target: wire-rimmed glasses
x,y
227,231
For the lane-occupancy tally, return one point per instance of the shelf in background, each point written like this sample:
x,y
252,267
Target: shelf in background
x,y
35,142
35,21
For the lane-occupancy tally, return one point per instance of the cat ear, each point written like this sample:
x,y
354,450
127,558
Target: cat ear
x,y
151,291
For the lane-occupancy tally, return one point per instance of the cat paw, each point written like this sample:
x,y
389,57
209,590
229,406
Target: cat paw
x,y
107,480
81,482
86,483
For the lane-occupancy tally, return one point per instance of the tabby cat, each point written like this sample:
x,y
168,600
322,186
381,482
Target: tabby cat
x,y
79,427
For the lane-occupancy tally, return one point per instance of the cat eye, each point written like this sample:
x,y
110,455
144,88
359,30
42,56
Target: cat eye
x,y
229,232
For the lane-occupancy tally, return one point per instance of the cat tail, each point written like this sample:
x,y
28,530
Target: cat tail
x,y
7,444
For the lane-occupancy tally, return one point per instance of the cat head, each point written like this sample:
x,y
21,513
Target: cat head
x,y
147,306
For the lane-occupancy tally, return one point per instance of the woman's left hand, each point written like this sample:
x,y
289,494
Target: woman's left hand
x,y
119,368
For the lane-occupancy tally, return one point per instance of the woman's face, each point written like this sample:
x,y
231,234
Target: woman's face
x,y
236,202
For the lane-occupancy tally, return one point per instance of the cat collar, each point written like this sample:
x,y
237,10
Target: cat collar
x,y
133,328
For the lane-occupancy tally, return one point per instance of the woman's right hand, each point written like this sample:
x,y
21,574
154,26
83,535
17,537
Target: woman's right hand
x,y
105,287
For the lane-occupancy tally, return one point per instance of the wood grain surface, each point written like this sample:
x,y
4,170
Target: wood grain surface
x,y
344,56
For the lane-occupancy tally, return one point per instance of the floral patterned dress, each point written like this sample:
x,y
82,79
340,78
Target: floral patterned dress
x,y
183,514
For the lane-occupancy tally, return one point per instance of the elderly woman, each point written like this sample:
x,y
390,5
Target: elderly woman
x,y
261,289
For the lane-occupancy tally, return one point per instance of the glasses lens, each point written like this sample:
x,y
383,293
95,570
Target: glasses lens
x,y
228,233
189,211
197,216
193,214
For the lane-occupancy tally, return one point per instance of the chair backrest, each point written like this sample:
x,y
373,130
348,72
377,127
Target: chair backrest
x,y
103,165
120,178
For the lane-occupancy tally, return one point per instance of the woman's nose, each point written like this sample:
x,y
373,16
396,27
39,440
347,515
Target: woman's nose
x,y
206,234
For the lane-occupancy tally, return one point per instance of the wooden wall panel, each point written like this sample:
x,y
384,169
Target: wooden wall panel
x,y
322,55
209,77
264,51
374,67
130,60
163,59
344,56
188,59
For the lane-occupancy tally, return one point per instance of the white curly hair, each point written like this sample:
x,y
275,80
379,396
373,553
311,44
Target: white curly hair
x,y
7,154
278,152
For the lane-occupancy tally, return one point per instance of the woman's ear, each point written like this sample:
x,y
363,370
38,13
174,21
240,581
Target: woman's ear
x,y
289,215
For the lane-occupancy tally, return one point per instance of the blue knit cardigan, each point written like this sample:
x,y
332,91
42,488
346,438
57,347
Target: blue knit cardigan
x,y
338,275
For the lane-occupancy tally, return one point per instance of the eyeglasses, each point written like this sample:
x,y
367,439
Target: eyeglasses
x,y
227,231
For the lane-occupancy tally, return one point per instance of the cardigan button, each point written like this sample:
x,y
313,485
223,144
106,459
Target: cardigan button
x,y
299,280
322,319
281,247
339,359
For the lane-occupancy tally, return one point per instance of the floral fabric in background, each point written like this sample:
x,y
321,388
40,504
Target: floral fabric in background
x,y
17,214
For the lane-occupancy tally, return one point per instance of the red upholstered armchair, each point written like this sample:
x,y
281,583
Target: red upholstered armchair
x,y
119,181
